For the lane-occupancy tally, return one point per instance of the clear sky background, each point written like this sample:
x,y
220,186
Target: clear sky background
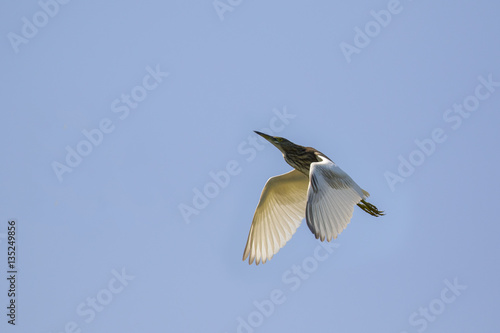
x,y
103,244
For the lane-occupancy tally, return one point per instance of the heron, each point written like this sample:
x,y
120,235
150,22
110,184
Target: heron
x,y
316,189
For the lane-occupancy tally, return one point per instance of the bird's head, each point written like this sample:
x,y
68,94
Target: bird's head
x,y
282,144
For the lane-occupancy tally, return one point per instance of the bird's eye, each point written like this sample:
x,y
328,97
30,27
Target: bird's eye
x,y
279,139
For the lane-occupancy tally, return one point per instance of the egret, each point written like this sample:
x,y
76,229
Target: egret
x,y
316,189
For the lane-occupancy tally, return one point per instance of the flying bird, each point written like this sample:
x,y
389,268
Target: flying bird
x,y
316,189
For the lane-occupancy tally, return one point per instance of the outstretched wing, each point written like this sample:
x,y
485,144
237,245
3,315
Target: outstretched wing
x,y
331,198
278,215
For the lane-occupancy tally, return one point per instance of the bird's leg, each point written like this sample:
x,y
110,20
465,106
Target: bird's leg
x,y
369,208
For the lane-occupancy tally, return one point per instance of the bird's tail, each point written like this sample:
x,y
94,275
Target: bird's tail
x,y
369,208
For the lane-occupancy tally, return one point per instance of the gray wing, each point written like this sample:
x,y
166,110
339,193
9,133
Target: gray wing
x,y
332,195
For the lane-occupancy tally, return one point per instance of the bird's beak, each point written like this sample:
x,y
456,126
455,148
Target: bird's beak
x,y
272,140
265,136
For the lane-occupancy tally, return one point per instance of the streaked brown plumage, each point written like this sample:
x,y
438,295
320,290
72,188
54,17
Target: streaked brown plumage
x,y
316,189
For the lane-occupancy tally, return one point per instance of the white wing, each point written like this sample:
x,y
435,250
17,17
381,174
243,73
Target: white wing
x,y
331,198
278,215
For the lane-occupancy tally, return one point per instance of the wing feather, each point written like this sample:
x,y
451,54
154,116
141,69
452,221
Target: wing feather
x,y
331,198
280,210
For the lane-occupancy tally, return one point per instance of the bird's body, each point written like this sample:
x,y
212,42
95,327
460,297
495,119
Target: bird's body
x,y
316,189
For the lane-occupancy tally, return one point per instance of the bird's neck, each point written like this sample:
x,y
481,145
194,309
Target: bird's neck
x,y
301,158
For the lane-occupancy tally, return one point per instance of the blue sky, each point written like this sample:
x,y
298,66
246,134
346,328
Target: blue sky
x,y
118,115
